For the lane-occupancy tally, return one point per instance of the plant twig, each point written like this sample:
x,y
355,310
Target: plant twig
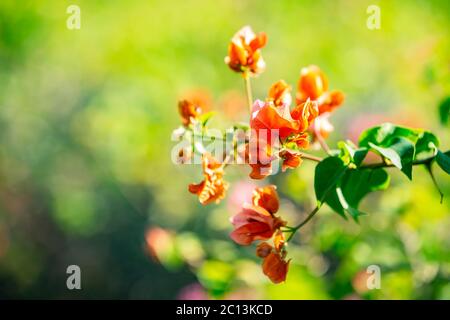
x,y
389,165
310,157
248,91
293,230
322,141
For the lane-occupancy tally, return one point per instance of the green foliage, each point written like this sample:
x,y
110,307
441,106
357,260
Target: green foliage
x,y
443,160
444,111
343,188
399,145
400,152
327,175
342,181
351,153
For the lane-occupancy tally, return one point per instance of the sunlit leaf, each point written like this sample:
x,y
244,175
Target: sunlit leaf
x,y
427,143
327,174
204,118
400,153
384,134
351,153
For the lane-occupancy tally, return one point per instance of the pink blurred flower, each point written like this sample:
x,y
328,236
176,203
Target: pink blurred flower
x,y
241,192
192,291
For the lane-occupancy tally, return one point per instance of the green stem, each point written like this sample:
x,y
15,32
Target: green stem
x,y
248,91
389,165
293,230
322,141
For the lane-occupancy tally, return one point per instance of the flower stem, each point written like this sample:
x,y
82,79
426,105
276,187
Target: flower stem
x,y
293,230
310,157
322,141
248,91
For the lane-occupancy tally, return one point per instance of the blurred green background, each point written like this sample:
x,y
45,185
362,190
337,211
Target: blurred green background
x,y
85,171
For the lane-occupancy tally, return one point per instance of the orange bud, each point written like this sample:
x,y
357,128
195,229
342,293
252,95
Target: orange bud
x,y
263,249
291,159
188,111
275,267
312,83
280,94
244,52
267,197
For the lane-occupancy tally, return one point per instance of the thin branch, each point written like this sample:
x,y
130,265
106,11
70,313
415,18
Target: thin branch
x,y
322,141
310,157
248,91
389,165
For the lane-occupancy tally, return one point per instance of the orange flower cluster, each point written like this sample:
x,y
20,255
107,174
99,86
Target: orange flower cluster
x,y
244,54
275,115
278,132
189,111
313,84
213,187
257,221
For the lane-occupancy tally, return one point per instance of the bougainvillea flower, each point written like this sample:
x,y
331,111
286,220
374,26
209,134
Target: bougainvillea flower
x,y
265,116
188,111
266,197
260,171
306,111
291,159
330,101
254,223
200,97
313,84
279,240
259,155
275,267
213,187
280,94
322,125
263,249
268,122
244,54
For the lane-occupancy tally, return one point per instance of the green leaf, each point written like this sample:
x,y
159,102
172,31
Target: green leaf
x,y
444,111
241,126
354,186
327,174
343,189
384,134
427,143
443,160
358,183
354,213
400,153
351,153
205,117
